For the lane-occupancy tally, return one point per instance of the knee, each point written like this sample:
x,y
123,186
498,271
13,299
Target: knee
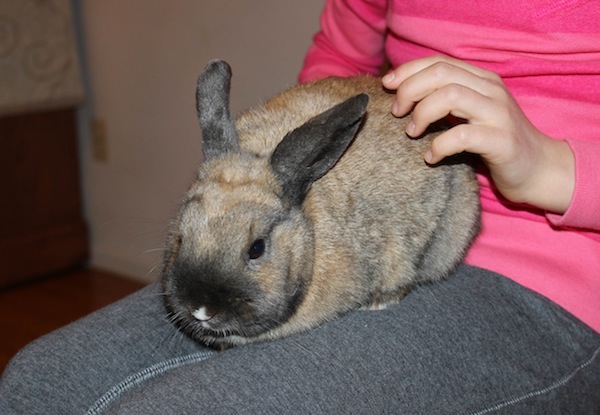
x,y
26,379
26,365
43,377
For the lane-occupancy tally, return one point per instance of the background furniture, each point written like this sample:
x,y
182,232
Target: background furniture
x,y
42,229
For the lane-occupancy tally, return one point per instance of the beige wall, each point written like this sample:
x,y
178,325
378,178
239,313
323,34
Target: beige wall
x,y
141,59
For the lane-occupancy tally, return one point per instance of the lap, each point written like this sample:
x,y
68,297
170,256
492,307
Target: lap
x,y
476,342
67,370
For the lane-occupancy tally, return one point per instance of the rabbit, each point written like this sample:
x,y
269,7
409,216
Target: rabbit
x,y
308,206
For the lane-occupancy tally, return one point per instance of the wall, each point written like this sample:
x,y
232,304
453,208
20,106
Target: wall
x,y
141,59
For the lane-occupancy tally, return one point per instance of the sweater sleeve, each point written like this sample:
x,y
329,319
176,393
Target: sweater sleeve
x,y
584,210
350,42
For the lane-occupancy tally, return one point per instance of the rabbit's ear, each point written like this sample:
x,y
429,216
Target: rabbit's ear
x,y
308,152
212,103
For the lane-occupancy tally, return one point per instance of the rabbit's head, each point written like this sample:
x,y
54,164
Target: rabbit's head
x,y
239,254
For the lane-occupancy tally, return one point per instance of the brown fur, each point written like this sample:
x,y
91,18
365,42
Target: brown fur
x,y
377,223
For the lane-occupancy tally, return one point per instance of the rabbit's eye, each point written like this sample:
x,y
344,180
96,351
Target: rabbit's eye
x,y
257,249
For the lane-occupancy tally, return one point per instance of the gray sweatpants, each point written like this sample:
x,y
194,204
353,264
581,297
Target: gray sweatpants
x,y
474,344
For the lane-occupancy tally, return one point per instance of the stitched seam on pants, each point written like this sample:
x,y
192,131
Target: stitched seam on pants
x,y
138,378
561,382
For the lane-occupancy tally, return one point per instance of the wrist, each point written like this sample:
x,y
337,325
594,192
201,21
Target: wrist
x,y
555,182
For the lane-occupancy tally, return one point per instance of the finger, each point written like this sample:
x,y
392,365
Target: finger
x,y
456,100
436,77
482,140
393,79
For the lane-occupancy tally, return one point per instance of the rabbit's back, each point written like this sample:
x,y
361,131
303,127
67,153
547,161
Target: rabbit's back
x,y
381,213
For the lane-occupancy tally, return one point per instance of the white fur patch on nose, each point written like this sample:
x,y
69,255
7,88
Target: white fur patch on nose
x,y
200,314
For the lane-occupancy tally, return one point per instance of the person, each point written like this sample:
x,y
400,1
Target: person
x,y
513,330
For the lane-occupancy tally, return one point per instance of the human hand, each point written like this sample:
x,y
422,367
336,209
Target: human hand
x,y
526,165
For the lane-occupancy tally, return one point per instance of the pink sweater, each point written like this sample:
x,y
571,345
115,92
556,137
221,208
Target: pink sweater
x,y
548,53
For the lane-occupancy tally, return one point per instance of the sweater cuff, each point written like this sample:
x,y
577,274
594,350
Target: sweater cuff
x,y
584,210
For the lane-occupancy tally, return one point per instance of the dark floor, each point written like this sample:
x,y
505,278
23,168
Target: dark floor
x,y
36,308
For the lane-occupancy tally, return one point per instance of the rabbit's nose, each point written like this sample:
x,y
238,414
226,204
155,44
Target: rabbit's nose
x,y
204,313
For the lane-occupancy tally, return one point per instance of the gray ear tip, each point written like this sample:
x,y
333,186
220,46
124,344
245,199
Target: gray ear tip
x,y
358,104
215,69
363,99
218,65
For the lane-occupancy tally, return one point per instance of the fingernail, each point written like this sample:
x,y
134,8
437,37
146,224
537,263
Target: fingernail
x,y
395,106
428,156
410,128
388,78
